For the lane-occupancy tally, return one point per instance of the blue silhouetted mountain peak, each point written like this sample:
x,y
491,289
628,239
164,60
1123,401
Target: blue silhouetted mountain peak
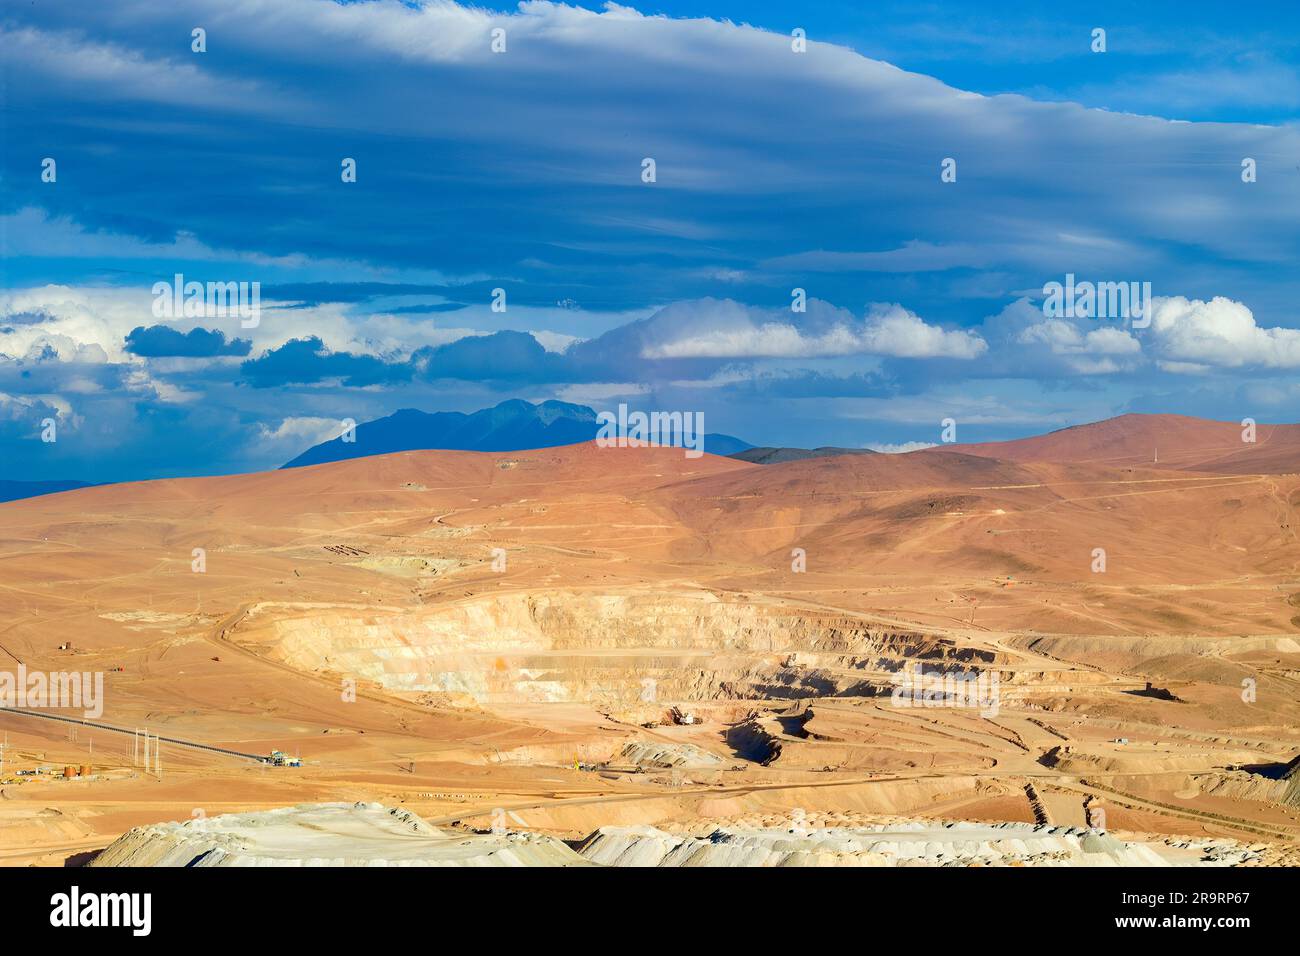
x,y
513,425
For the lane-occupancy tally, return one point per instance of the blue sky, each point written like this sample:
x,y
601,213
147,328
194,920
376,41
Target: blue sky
x,y
523,171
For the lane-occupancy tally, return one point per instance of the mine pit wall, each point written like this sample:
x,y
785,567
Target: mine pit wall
x,y
618,650
752,740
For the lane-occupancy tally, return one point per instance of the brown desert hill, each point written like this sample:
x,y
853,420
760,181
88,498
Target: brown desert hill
x,y
1154,441
349,530
908,532
335,494
1181,550
776,456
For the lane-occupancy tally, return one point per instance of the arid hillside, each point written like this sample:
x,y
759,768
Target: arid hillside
x,y
589,637
1162,441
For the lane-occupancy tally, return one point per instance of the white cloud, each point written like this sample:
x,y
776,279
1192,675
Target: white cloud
x,y
555,341
902,448
140,381
23,414
89,325
724,329
78,325
1098,351
1026,343
1185,337
599,392
68,60
1111,341
299,431
1222,333
770,339
893,330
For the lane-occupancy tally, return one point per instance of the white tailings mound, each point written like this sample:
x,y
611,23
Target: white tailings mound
x,y
906,844
368,834
329,834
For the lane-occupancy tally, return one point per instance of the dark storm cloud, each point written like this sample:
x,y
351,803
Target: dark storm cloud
x,y
158,341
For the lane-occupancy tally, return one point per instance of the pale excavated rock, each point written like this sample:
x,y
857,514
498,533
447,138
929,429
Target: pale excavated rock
x,y
368,834
907,844
580,646
651,753
330,834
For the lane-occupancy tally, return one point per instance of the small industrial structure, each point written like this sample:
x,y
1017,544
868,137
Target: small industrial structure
x,y
679,716
279,758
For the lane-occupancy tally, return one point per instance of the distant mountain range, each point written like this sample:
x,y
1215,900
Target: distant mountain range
x,y
14,490
1173,442
514,425
777,456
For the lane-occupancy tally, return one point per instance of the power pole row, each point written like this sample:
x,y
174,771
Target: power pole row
x,y
143,746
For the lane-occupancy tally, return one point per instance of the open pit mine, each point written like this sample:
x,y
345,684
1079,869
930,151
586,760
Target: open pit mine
x,y
1056,651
